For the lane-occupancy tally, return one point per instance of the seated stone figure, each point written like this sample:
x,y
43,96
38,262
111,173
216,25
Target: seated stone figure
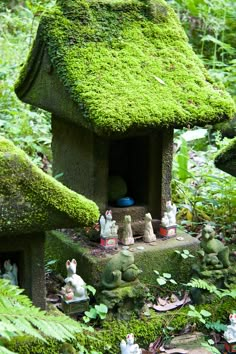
x,y
214,254
119,269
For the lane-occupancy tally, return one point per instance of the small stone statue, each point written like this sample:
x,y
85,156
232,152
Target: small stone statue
x,y
129,347
75,286
127,237
214,254
149,235
108,226
230,333
11,271
119,270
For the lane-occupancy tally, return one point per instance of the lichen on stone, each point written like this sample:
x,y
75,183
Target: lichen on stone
x,y
31,200
127,64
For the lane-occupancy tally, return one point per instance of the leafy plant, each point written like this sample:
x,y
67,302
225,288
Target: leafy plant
x,y
184,254
19,316
199,315
47,266
207,193
96,312
163,278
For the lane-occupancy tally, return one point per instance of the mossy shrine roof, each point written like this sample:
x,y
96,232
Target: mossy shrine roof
x,y
225,160
31,200
128,66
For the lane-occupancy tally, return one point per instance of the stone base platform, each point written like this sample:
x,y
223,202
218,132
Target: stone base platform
x,y
91,258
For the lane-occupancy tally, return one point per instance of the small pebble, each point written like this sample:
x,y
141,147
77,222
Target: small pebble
x,y
180,238
140,248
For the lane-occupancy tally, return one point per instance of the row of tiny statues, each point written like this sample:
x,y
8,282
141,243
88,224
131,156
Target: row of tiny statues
x,y
109,228
10,272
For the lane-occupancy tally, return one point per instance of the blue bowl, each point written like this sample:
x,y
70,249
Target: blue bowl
x,y
125,202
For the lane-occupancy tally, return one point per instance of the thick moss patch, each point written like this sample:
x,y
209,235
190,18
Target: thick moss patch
x,y
91,260
128,66
226,158
34,201
146,330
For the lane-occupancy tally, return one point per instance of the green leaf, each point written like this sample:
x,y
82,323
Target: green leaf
x,y
101,308
91,289
161,281
184,256
205,313
167,275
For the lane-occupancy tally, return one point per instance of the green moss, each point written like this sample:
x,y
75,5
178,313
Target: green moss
x,y
34,201
128,66
145,330
91,264
226,158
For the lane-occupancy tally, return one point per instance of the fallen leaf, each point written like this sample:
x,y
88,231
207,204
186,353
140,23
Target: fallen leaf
x,y
159,80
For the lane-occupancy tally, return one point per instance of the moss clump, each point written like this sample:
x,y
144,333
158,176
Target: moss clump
x,y
226,158
145,330
34,201
90,266
128,66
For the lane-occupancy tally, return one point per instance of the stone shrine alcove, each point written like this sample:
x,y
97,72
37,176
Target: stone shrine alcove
x,y
129,158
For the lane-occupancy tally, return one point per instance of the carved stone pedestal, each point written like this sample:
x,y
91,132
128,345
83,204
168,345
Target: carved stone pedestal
x,y
75,307
230,348
109,242
125,300
167,231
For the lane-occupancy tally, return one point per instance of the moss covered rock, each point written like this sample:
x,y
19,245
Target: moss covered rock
x,y
226,158
92,260
126,65
107,339
33,201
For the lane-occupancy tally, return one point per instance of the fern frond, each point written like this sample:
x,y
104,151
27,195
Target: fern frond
x,y
202,284
216,326
18,315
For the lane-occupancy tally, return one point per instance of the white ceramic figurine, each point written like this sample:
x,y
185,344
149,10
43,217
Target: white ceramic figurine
x,y
230,333
75,285
129,347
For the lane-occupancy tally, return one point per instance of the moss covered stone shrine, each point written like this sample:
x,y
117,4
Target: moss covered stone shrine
x,y
31,203
118,77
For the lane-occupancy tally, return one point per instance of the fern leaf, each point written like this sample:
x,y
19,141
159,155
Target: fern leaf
x,y
18,316
202,284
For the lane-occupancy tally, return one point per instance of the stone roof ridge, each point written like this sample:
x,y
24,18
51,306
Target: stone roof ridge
x,y
31,200
126,65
